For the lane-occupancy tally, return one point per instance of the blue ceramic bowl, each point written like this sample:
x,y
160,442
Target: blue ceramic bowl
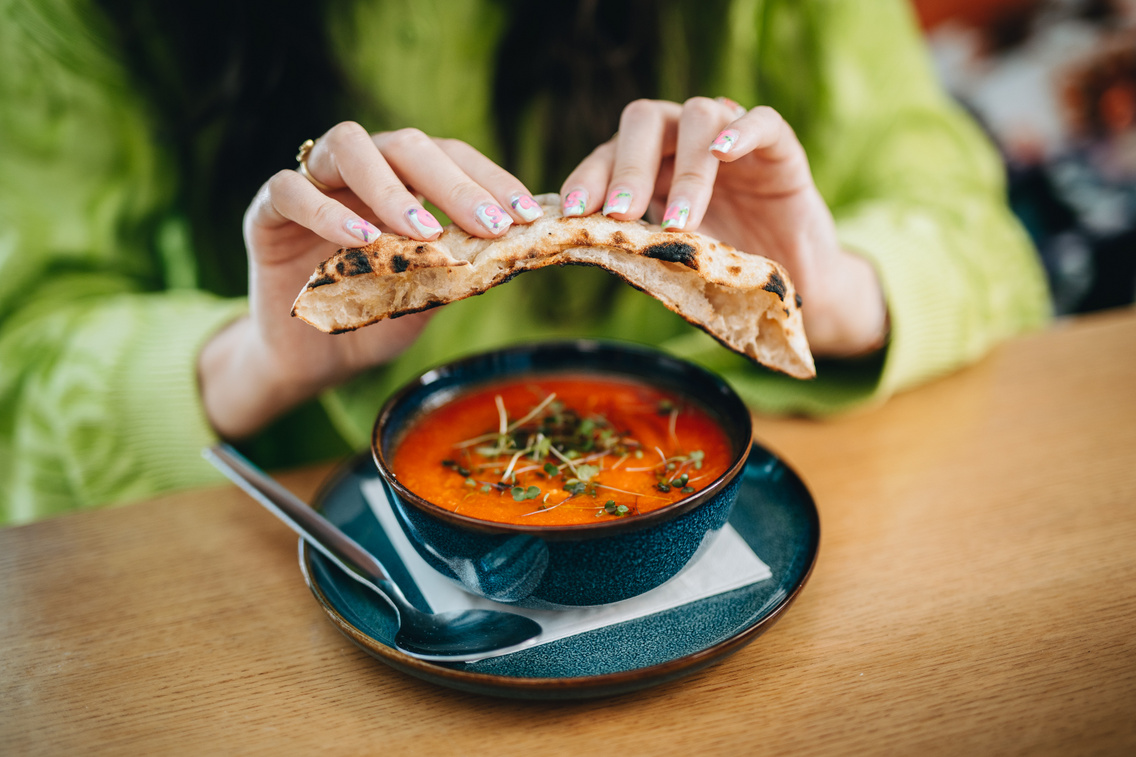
x,y
548,566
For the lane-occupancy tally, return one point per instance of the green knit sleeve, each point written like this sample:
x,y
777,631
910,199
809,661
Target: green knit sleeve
x,y
99,320
914,186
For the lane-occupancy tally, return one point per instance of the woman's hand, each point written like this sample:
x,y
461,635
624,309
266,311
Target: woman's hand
x,y
265,364
741,177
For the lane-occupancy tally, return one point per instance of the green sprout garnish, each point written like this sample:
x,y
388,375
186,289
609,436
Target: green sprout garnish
x,y
553,442
520,493
613,509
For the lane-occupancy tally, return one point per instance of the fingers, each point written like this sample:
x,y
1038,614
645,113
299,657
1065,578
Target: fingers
x,y
509,192
647,132
619,176
288,197
761,130
374,172
695,168
584,190
482,198
659,159
346,158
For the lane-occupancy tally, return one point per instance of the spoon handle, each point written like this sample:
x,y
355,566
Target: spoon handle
x,y
313,527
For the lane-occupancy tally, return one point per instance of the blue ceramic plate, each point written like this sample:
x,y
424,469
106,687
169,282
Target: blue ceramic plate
x,y
774,513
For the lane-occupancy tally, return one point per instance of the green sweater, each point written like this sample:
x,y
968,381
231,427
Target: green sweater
x,y
102,310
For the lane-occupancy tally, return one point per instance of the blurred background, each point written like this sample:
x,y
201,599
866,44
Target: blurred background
x,y
1054,84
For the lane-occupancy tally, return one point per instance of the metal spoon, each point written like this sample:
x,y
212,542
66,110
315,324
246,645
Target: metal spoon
x,y
445,637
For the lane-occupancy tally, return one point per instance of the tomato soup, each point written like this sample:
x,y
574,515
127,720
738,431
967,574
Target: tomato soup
x,y
561,450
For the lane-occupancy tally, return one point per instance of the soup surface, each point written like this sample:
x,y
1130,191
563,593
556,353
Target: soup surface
x,y
561,450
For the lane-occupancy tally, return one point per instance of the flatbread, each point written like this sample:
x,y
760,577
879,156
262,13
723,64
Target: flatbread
x,y
746,302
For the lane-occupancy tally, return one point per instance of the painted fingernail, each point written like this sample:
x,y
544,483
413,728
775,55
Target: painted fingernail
x,y
575,202
618,201
493,217
424,222
362,229
739,111
526,207
676,215
724,142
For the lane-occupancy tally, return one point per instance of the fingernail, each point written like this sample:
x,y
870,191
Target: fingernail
x,y
424,222
575,202
724,142
619,201
493,217
362,229
739,111
526,207
676,215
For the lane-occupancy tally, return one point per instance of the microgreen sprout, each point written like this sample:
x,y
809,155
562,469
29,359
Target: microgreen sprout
x,y
571,451
613,509
520,493
587,472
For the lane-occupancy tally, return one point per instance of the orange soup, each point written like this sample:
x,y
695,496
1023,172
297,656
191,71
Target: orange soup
x,y
561,450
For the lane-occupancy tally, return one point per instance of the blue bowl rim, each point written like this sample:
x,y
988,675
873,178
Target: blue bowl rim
x,y
600,529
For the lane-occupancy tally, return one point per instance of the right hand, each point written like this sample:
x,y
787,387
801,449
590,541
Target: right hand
x,y
269,362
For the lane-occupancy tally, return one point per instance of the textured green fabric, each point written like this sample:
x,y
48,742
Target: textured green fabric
x,y
101,317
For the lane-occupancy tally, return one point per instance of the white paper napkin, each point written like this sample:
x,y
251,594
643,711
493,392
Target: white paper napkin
x,y
726,564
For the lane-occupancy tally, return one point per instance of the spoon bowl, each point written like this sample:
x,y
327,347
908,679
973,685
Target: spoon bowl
x,y
445,637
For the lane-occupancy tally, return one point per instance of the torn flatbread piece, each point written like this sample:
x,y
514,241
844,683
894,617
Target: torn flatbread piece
x,y
746,302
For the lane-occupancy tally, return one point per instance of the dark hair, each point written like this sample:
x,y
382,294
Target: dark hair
x,y
236,87
584,60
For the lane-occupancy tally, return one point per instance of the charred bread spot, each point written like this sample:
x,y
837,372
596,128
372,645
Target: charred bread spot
x,y
321,281
776,285
420,249
735,270
798,300
673,252
583,239
786,312
357,263
617,238
399,263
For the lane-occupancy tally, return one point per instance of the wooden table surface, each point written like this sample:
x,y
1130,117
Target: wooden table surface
x,y
975,594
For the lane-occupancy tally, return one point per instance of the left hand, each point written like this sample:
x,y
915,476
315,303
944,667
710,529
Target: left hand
x,y
743,178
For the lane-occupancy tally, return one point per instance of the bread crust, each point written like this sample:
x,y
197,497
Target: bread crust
x,y
746,302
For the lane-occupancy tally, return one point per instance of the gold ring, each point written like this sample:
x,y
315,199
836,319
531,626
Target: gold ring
x,y
302,159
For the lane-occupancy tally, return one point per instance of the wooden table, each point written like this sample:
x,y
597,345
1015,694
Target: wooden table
x,y
975,594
